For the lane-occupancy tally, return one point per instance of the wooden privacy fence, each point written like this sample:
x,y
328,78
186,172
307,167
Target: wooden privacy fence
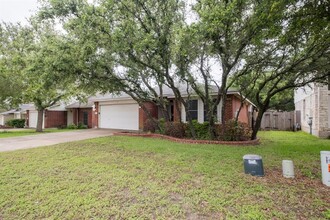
x,y
273,120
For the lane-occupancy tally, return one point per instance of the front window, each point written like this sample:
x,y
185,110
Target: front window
x,y
192,109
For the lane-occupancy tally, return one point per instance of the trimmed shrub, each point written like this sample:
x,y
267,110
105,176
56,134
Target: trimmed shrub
x,y
202,130
234,131
162,123
16,123
150,126
175,129
72,126
82,126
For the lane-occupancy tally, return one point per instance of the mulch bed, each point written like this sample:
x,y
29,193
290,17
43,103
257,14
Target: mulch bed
x,y
188,141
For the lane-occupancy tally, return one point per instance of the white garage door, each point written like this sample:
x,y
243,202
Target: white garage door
x,y
125,116
33,118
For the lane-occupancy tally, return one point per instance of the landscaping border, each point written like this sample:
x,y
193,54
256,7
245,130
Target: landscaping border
x,y
188,141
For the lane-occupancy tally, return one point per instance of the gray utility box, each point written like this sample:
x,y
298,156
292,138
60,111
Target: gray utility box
x,y
253,165
325,167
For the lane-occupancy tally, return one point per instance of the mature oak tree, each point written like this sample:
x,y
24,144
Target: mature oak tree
x,y
292,55
268,46
11,63
141,46
129,46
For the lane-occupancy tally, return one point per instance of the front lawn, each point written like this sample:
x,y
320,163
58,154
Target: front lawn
x,y
23,132
141,178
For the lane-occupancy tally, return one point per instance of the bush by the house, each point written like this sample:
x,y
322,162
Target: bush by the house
x,y
234,131
175,129
79,126
72,126
161,124
202,130
82,126
150,126
16,123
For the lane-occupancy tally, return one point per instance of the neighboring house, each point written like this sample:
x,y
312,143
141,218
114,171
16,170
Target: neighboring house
x,y
312,104
81,113
55,116
122,112
6,116
19,113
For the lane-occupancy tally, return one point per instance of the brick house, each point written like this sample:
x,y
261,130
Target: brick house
x,y
122,112
312,103
55,116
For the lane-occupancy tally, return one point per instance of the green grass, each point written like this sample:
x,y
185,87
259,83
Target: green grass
x,y
141,178
16,133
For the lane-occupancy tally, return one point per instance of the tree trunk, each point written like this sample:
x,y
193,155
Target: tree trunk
x,y
223,111
257,124
40,120
211,128
190,123
165,113
210,117
239,111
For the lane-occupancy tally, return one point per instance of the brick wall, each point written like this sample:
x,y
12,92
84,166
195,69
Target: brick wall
x,y
143,115
95,116
75,113
229,108
315,103
55,119
244,113
323,112
81,116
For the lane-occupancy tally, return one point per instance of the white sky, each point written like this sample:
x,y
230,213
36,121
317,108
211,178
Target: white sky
x,y
17,10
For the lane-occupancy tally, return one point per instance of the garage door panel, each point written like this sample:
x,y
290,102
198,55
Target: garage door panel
x,y
33,118
125,116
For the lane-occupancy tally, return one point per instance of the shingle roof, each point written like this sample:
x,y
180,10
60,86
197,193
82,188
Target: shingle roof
x,y
88,104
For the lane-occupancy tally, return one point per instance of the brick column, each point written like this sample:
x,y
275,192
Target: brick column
x,y
143,115
95,115
229,114
75,116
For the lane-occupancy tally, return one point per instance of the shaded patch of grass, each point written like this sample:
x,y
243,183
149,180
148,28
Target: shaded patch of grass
x,y
16,133
128,178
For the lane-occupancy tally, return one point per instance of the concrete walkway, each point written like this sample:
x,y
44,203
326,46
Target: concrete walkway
x,y
39,140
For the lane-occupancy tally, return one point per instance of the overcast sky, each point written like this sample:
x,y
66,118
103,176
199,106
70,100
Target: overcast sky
x,y
17,10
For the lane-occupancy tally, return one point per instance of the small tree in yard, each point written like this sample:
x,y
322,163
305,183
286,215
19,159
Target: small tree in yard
x,y
45,60
11,63
133,48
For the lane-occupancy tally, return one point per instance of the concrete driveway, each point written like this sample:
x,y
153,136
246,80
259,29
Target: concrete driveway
x,y
39,140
